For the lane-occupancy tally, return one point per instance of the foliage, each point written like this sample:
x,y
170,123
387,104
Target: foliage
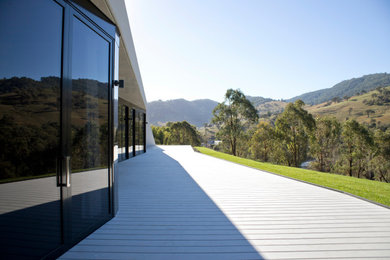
x,y
336,99
30,126
380,98
32,148
372,190
263,141
232,116
355,148
323,143
293,127
159,133
380,164
243,142
350,148
181,133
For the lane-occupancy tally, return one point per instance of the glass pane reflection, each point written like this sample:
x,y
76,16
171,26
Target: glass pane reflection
x,y
89,122
121,132
30,71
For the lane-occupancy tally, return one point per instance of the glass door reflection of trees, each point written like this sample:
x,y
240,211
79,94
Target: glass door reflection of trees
x,y
35,132
30,92
89,127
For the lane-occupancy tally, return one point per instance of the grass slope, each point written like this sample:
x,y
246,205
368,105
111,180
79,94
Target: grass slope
x,y
372,190
274,107
342,110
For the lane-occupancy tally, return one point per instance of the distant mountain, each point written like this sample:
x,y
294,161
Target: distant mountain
x,y
345,88
197,112
257,101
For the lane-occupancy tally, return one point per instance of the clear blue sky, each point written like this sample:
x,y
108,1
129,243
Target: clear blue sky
x,y
197,49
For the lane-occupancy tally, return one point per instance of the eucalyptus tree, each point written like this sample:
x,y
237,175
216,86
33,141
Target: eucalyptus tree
x,y
356,146
183,133
380,164
324,143
159,134
262,141
293,127
232,116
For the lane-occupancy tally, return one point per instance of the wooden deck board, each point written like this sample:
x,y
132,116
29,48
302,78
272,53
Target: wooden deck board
x,y
178,204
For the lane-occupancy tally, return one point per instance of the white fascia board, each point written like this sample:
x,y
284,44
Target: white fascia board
x,y
118,10
119,13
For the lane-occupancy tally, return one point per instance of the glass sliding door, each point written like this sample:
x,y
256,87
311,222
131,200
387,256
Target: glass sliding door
x,y
55,128
30,127
89,127
125,132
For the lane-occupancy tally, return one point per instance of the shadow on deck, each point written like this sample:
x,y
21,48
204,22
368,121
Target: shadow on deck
x,y
163,214
178,204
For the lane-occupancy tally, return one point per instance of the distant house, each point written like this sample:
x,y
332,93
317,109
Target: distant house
x,y
66,120
217,142
212,142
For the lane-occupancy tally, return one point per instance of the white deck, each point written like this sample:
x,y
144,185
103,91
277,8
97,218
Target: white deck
x,y
178,204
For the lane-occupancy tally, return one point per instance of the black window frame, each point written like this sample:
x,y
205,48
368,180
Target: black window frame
x,y
88,14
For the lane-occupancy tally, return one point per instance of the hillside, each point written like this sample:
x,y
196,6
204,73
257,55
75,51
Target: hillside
x,y
356,108
257,101
345,88
197,112
271,107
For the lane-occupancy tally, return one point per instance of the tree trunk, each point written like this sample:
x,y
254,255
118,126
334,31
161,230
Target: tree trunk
x,y
350,167
234,148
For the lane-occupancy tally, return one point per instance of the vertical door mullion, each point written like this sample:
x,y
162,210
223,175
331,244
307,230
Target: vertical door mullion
x,y
127,132
66,104
144,131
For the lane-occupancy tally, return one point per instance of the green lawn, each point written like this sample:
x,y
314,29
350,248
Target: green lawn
x,y
372,190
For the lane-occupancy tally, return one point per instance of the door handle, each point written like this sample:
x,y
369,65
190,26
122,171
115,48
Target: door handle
x,y
64,164
67,171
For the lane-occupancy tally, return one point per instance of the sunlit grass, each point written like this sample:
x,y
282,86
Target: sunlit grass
x,y
372,190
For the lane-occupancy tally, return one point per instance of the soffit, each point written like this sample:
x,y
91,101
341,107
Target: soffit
x,y
128,65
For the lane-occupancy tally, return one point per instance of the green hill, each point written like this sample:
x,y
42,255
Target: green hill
x,y
363,108
257,101
345,88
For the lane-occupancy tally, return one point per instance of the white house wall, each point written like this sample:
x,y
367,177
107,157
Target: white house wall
x,y
128,64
